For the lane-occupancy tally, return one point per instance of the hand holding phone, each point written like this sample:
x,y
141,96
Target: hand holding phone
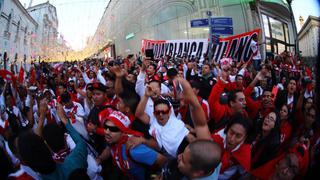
x,y
149,54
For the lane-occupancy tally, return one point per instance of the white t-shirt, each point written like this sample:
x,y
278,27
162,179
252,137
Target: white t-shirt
x,y
169,136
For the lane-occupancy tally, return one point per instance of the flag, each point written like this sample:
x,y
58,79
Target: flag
x,y
21,75
32,76
7,75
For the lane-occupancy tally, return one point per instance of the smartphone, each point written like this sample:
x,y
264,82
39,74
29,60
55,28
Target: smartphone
x,y
149,53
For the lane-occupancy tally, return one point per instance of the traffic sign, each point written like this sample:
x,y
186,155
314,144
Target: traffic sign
x,y
217,21
200,23
221,21
222,30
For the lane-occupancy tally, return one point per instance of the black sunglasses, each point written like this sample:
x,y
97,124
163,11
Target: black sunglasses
x,y
111,128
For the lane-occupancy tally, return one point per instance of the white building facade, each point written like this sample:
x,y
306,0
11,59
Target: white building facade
x,y
309,37
18,39
45,15
125,23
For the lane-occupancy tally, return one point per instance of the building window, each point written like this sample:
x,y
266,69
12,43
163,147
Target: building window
x,y
266,25
286,31
7,33
277,29
25,41
17,32
276,34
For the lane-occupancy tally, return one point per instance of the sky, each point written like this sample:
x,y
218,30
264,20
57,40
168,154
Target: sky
x,y
78,19
305,8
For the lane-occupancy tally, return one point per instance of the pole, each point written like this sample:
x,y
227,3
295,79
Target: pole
x,y
209,13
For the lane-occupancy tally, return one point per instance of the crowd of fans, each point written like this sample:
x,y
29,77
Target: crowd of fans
x,y
169,118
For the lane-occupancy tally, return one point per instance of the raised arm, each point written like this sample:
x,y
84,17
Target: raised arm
x,y
85,77
119,75
78,157
140,88
100,77
197,114
43,108
140,114
30,112
217,110
81,92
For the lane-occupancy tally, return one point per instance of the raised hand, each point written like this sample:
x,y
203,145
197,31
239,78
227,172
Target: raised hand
x,y
149,91
117,71
43,108
61,113
260,76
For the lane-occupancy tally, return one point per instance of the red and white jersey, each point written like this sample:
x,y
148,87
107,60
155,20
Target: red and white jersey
x,y
76,116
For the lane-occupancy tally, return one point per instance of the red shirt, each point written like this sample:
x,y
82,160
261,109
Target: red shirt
x,y
241,155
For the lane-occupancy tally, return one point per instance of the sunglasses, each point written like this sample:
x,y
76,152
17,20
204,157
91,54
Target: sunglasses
x,y
158,112
111,128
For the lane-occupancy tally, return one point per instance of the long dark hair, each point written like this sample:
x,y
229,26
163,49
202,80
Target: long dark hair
x,y
238,118
269,144
35,153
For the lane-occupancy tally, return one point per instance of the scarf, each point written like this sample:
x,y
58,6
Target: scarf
x,y
170,135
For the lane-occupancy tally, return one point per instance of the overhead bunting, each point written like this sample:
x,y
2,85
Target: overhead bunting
x,y
236,47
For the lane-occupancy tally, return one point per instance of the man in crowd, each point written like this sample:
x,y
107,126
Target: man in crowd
x,y
131,161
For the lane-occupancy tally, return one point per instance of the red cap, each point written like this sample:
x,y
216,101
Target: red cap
x,y
122,122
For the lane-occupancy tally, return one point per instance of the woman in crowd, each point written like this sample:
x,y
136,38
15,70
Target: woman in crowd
x,y
266,145
234,141
285,127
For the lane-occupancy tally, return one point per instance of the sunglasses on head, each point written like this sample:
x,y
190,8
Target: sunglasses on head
x,y
111,128
158,112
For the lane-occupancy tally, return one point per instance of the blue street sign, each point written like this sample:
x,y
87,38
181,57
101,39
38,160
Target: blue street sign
x,y
221,21
200,23
222,30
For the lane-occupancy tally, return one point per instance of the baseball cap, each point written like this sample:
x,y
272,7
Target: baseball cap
x,y
96,86
122,122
